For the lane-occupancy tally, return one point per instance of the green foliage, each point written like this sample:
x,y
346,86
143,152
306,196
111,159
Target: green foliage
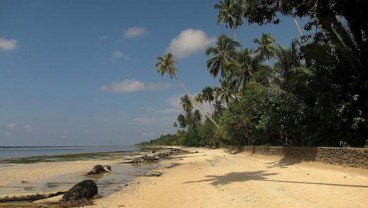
x,y
207,133
315,94
168,139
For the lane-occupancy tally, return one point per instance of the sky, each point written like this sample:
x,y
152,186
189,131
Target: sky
x,y
83,72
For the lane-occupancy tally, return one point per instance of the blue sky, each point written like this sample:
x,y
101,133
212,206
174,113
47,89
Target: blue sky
x,y
82,72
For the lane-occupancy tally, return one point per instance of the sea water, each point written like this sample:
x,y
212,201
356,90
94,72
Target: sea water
x,y
7,152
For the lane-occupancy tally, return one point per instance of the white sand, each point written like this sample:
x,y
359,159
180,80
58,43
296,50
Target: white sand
x,y
213,178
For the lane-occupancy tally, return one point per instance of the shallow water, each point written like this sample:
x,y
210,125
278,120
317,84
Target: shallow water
x,y
19,151
107,183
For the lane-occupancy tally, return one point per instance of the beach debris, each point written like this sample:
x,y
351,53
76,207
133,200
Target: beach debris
x,y
158,156
29,197
80,194
153,174
97,169
107,168
145,159
172,165
50,201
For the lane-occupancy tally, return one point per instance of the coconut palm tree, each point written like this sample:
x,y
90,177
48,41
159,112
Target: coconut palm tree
x,y
198,98
182,121
218,108
228,14
166,65
225,92
197,115
243,69
223,53
266,46
208,95
186,104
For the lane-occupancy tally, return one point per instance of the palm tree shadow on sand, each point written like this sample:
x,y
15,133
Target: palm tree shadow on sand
x,y
235,177
261,175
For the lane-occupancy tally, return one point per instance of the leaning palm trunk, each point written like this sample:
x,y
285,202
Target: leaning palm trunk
x,y
297,25
192,97
234,33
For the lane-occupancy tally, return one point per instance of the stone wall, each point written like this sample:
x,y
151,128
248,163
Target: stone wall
x,y
351,157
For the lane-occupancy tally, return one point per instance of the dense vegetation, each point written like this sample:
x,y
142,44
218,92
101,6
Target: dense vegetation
x,y
312,93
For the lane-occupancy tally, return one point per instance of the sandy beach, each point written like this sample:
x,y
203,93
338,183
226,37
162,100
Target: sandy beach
x,y
215,178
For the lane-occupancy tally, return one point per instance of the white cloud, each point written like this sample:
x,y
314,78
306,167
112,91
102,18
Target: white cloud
x,y
7,44
104,88
134,32
118,55
11,125
128,86
190,41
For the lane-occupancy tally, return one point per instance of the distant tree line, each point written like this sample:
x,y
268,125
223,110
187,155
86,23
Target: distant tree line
x,y
312,93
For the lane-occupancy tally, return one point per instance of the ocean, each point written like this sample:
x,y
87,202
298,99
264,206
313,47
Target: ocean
x,y
10,152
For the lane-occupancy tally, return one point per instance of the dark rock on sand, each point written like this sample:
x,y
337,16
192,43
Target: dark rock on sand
x,y
97,169
80,194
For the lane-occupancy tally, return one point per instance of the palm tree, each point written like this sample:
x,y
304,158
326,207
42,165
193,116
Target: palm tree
x,y
218,108
223,53
266,46
198,98
246,65
186,104
226,92
166,65
197,115
227,15
182,121
208,95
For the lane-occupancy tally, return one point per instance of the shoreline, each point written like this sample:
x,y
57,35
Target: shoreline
x,y
210,178
43,175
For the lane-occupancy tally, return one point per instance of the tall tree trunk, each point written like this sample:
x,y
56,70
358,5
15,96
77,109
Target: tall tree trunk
x,y
192,97
297,25
234,33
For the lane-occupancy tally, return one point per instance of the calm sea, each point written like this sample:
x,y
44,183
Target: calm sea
x,y
26,151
